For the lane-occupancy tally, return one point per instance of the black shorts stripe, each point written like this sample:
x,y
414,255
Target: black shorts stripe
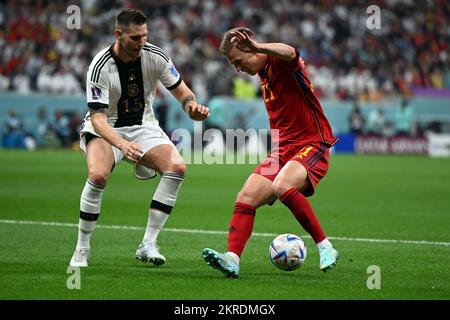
x,y
99,65
154,48
313,160
175,85
88,137
313,164
161,206
158,53
313,157
320,157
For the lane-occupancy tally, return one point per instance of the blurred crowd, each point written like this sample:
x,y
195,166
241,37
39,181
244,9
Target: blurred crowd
x,y
402,123
60,129
345,60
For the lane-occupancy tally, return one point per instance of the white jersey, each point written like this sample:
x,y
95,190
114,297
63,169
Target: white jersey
x,y
127,90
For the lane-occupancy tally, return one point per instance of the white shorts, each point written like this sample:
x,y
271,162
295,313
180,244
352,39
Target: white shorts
x,y
147,137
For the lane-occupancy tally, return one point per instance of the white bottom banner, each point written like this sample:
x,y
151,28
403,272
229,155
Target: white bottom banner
x,y
438,145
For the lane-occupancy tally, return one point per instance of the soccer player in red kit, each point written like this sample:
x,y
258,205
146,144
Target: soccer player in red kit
x,y
301,136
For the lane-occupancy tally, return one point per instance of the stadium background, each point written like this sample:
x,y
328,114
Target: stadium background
x,y
42,77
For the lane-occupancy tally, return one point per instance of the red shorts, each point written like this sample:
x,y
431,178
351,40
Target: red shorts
x,y
314,157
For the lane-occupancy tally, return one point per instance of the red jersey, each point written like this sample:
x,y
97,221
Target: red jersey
x,y
291,104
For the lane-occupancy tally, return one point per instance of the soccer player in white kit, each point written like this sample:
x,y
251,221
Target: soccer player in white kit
x,y
121,87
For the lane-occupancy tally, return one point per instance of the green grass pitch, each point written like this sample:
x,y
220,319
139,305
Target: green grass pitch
x,y
362,197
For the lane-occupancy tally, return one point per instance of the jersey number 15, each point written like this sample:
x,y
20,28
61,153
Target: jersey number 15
x,y
135,105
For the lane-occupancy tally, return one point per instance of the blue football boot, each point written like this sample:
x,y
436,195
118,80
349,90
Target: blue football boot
x,y
222,262
328,258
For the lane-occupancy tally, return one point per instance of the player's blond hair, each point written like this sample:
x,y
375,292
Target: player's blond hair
x,y
226,45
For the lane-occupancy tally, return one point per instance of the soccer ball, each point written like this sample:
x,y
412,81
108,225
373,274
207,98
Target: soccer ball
x,y
287,252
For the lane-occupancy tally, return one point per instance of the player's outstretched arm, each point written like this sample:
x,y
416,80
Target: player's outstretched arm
x,y
186,97
130,149
245,43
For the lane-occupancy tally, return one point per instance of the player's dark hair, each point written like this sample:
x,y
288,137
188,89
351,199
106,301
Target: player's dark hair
x,y
226,45
128,16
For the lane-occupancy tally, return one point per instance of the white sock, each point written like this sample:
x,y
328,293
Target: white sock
x,y
91,198
90,204
324,243
168,188
162,204
156,220
85,229
234,256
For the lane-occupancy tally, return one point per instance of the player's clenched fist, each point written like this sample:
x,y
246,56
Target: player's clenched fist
x,y
197,112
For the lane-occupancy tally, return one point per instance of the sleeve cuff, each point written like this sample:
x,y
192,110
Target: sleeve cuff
x,y
97,105
175,85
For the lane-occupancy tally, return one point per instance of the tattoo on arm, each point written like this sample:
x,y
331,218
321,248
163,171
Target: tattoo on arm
x,y
186,100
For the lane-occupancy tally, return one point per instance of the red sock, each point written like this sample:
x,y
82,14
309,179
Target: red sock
x,y
300,207
241,226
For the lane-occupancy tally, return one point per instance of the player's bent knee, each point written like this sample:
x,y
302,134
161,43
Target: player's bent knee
x,y
280,186
246,196
179,168
99,179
